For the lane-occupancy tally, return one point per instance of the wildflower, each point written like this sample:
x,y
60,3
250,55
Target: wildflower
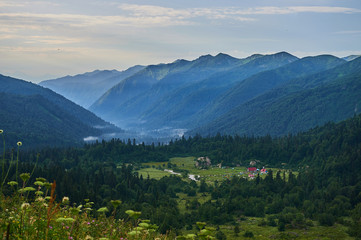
x,y
25,176
65,219
65,199
40,199
38,193
40,179
20,144
27,189
25,205
12,183
39,183
50,227
116,203
103,210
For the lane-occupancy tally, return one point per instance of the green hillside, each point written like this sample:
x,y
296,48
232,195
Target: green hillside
x,y
41,117
263,82
37,122
303,103
180,107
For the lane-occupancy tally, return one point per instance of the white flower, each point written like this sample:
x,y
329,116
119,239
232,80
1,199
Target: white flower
x,y
40,199
25,205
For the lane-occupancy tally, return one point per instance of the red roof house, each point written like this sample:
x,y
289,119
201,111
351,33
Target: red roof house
x,y
252,169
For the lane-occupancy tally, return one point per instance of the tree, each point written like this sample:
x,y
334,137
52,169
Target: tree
x,y
236,230
220,235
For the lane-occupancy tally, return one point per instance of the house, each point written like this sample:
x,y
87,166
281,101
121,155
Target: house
x,y
252,169
252,163
203,162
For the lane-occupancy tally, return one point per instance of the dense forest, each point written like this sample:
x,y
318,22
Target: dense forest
x,y
326,188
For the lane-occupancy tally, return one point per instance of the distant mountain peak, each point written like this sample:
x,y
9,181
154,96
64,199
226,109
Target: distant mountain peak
x,y
223,55
351,57
283,54
205,57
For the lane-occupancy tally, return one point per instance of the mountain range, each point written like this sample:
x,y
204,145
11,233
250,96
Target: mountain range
x,y
158,95
84,89
274,94
300,104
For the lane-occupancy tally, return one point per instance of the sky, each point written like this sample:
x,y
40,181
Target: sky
x,y
42,40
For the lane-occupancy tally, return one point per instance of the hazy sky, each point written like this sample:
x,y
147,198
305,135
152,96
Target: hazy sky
x,y
45,39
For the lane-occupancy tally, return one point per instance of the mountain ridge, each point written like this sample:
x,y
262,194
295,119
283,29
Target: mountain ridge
x,y
293,108
84,89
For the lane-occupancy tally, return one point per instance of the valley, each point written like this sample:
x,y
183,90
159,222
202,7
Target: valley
x,y
217,147
180,120
219,94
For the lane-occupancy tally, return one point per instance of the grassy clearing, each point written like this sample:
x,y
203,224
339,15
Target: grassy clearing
x,y
183,198
209,175
153,173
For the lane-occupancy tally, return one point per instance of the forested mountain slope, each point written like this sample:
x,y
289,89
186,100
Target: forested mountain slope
x,y
263,82
180,107
302,103
150,95
130,97
42,117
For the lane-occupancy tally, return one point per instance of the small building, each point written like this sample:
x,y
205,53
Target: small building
x,y
203,162
252,163
252,169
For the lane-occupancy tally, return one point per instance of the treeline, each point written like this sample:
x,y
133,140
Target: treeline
x,y
326,189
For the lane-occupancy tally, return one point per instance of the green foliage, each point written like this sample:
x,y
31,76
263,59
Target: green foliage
x,y
248,234
43,218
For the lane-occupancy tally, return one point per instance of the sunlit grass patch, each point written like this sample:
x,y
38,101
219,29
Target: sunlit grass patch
x,y
153,173
186,163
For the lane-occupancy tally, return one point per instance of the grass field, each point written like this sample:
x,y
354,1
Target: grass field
x,y
153,173
209,175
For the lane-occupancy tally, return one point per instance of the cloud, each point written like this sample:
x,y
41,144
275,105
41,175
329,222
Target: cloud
x,y
291,10
234,13
180,14
144,16
77,20
349,32
19,4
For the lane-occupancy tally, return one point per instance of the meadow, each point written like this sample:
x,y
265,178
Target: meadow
x,y
210,175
